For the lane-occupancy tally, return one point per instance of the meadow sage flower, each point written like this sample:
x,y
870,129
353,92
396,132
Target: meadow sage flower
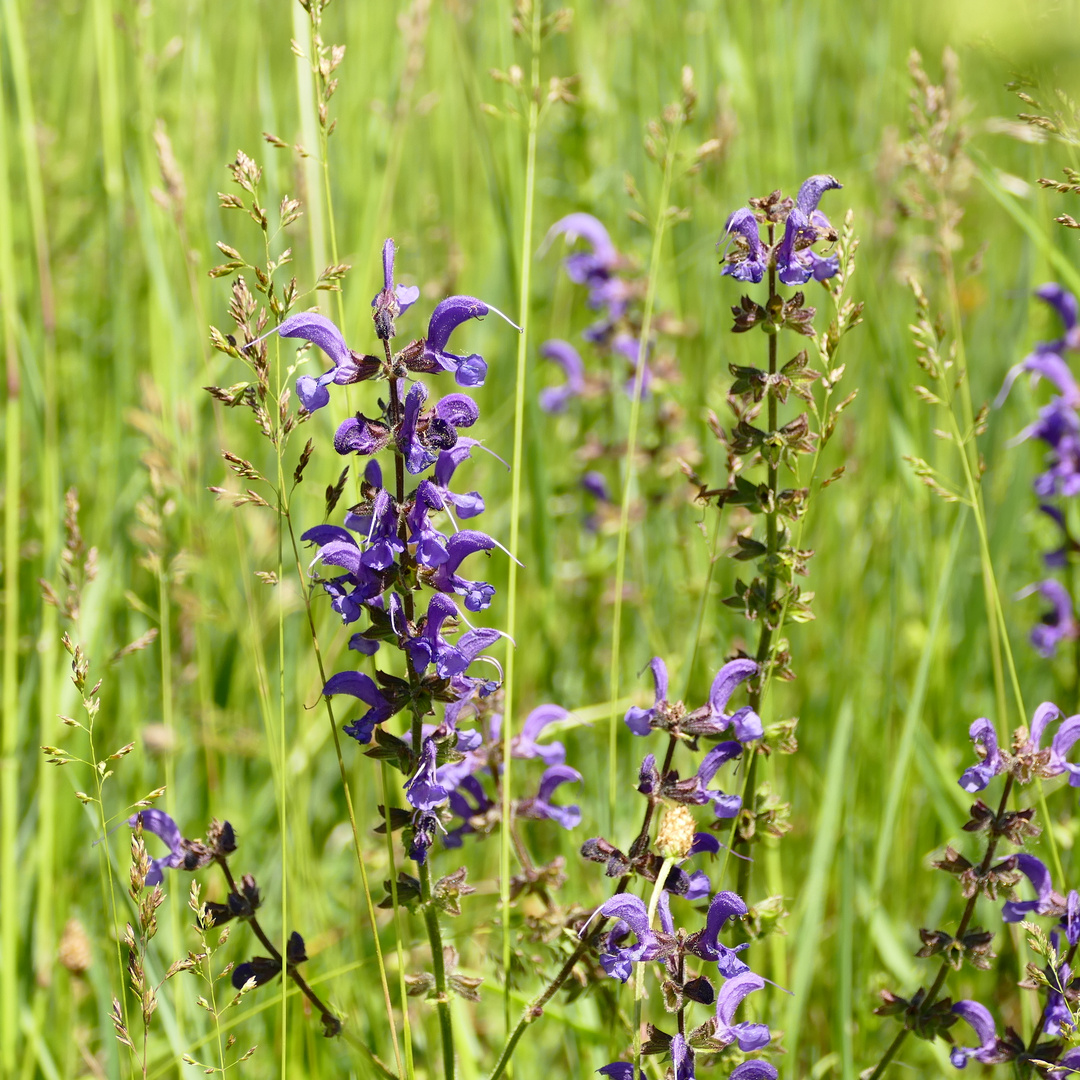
x,y
553,399
977,777
795,262
359,685
445,319
706,943
728,998
749,261
540,805
524,744
1046,902
162,826
1057,624
632,918
988,1052
423,790
1046,359
394,300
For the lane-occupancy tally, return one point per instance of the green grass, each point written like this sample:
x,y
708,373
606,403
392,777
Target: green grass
x,y
105,303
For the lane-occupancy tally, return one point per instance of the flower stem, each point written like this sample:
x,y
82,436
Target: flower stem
x,y
765,636
438,964
639,969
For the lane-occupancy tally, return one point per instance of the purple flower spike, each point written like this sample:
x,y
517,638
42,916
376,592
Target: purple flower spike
x,y
423,789
1058,624
447,316
162,826
749,262
525,746
639,720
553,399
630,910
747,722
363,687
706,943
1036,872
755,1070
979,776
460,546
682,1059
540,805
978,1016
728,999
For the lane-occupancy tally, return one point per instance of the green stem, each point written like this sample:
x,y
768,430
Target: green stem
x,y
631,470
639,969
305,591
438,965
516,469
9,720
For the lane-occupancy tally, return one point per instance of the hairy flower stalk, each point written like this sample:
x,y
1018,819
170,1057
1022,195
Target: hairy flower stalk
x,y
924,1014
773,598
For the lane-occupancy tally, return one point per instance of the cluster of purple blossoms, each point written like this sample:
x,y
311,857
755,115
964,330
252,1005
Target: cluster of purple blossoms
x,y
1026,760
793,256
392,544
1058,426
670,947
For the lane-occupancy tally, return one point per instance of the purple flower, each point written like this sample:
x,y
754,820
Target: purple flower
x,y
445,319
728,999
394,300
1058,623
1046,358
470,505
460,546
706,943
620,1070
1058,1013
540,805
553,399
162,826
746,722
597,486
1070,921
463,809
639,720
363,687
682,1059
423,835
420,439
1067,1065
794,261
978,1016
726,806
429,647
748,262
1035,871
430,543
524,744
633,918
423,789
594,268
754,1070
979,776
648,775
349,367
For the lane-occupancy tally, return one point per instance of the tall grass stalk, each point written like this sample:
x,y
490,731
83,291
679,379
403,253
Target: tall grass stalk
x,y
9,721
48,651
630,467
516,470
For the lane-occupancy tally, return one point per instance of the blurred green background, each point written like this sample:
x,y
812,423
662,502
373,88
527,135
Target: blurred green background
x,y
106,302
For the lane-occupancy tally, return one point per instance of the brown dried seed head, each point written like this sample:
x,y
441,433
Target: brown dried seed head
x,y
74,950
